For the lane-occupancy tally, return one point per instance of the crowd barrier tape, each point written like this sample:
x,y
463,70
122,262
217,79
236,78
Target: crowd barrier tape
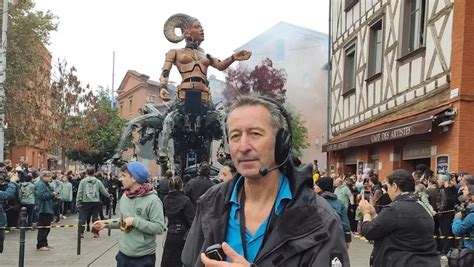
x,y
435,237
49,227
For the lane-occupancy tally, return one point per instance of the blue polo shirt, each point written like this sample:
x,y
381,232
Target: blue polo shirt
x,y
254,242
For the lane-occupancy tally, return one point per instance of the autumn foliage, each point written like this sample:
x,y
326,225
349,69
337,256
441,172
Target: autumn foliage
x,y
264,79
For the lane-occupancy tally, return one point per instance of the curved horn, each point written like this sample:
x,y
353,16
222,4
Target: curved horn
x,y
179,20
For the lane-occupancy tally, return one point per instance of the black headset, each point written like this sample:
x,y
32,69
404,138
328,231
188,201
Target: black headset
x,y
283,139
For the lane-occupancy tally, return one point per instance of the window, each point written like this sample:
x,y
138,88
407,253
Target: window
x,y
349,70
130,106
413,25
349,4
375,48
280,49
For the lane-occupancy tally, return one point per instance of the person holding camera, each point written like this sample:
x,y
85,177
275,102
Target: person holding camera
x,y
45,197
448,199
403,230
141,218
465,226
5,194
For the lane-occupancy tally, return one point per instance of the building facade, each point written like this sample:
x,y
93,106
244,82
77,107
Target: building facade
x,y
401,85
302,53
134,92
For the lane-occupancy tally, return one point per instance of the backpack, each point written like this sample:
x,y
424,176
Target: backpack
x,y
92,189
460,257
25,192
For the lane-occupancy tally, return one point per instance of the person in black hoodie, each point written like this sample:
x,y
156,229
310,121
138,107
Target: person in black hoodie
x,y
180,212
199,185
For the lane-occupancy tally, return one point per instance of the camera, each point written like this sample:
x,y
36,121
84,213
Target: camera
x,y
215,252
461,207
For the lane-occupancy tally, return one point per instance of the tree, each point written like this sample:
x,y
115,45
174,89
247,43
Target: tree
x,y
69,102
103,134
264,79
28,75
268,81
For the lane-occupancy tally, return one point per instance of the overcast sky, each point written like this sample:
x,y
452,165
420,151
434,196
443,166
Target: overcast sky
x,y
90,30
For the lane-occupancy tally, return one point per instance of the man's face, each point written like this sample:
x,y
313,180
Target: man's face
x,y
47,179
251,140
392,190
226,174
127,180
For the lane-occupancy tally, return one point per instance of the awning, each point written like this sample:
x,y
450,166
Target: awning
x,y
414,125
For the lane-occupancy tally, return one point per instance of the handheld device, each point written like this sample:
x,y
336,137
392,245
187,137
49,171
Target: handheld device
x,y
215,252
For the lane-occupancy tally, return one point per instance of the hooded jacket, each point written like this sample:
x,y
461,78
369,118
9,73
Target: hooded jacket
x,y
6,194
403,234
306,233
147,211
90,189
179,210
341,210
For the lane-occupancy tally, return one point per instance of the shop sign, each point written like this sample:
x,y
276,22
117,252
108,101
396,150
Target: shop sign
x,y
391,134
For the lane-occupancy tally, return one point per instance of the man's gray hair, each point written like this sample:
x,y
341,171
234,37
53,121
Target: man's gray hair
x,y
45,173
277,119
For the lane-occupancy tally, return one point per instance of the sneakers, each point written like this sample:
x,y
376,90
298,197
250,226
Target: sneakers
x,y
43,249
82,235
64,217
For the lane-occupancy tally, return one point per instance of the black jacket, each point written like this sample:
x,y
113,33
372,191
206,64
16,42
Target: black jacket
x,y
179,210
306,233
403,234
197,187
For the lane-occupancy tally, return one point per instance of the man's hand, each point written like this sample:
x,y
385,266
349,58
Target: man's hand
x,y
242,55
128,222
237,260
99,225
458,215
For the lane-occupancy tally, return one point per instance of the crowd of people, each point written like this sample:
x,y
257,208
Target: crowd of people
x,y
266,208
446,201
50,196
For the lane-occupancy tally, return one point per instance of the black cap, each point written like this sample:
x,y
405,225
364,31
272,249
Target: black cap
x,y
325,183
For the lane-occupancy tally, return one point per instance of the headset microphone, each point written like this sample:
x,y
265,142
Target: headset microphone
x,y
265,171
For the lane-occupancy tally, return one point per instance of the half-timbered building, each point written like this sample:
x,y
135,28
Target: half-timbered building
x,y
401,85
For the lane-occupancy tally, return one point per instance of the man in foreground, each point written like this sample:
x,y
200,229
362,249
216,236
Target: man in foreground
x,y
268,215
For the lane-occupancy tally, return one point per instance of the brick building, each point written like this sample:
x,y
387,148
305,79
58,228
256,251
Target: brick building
x,y
402,85
134,92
